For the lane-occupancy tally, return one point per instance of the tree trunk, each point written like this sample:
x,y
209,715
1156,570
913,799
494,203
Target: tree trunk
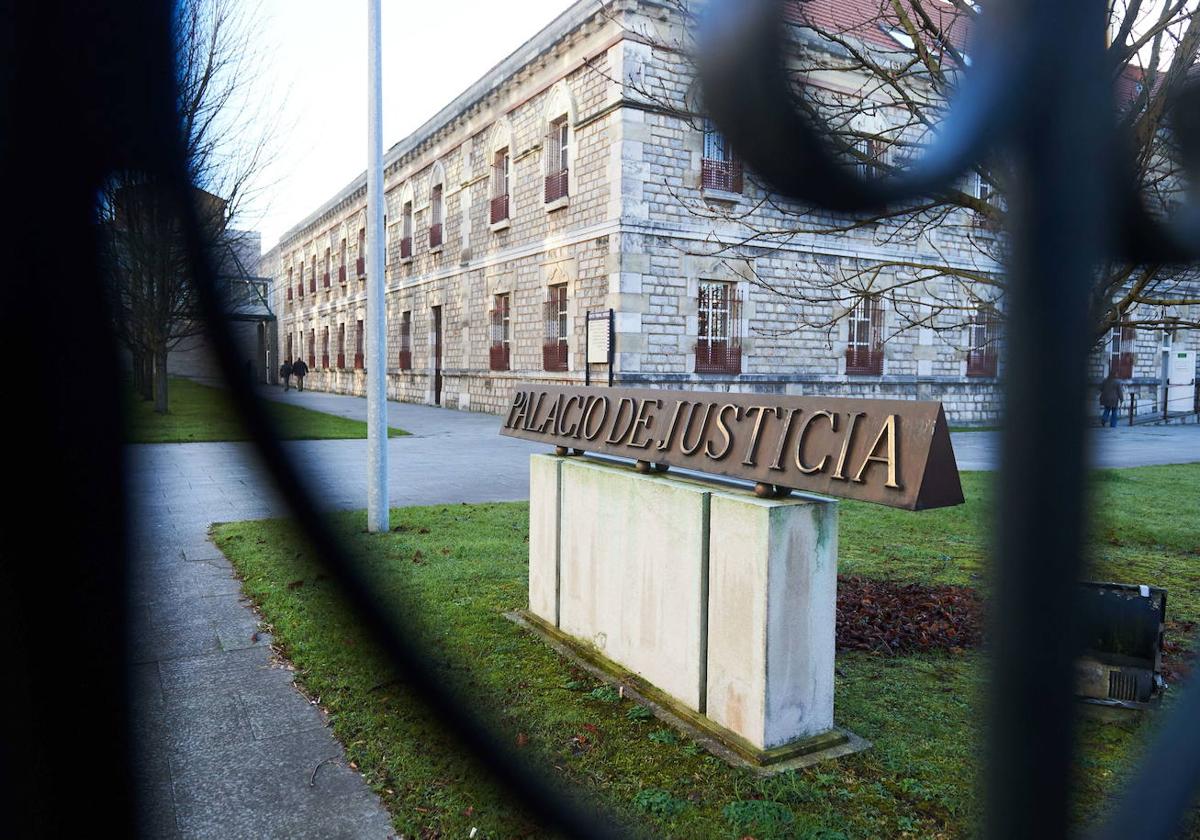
x,y
147,378
136,371
160,381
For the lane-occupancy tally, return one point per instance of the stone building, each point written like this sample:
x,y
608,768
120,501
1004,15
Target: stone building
x,y
553,188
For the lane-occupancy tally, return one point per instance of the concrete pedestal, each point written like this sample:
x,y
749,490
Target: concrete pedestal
x,y
718,605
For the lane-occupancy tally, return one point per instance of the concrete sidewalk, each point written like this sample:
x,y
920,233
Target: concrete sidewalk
x,y
230,746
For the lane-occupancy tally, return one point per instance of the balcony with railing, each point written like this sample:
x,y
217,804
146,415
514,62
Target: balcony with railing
x,y
1121,365
982,363
554,355
557,186
718,357
435,236
498,357
864,361
723,176
499,209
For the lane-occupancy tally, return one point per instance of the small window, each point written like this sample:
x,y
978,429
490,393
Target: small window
x,y
984,333
341,353
300,284
436,217
864,341
720,168
328,258
875,156
501,166
500,353
361,262
406,231
358,345
312,279
342,267
312,349
554,345
1121,339
405,357
558,160
718,334
325,348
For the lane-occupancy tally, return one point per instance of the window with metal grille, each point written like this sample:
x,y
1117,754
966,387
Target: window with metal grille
x,y
342,265
341,354
984,333
325,347
499,354
558,159
405,355
406,231
312,349
1121,339
500,186
864,340
877,153
436,217
719,337
720,169
358,345
554,347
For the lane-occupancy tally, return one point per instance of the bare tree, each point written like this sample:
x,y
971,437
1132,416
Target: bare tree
x,y
879,76
227,133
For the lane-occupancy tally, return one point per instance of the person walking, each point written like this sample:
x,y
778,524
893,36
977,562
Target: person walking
x,y
300,370
285,373
1111,396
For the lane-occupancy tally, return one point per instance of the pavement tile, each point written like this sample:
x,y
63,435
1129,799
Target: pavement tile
x,y
232,670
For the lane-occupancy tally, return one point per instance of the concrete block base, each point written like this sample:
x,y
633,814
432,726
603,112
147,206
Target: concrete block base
x,y
721,742
716,606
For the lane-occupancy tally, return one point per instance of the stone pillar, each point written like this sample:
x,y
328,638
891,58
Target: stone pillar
x,y
722,602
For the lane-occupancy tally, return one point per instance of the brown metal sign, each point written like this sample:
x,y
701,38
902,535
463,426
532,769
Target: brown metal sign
x,y
892,452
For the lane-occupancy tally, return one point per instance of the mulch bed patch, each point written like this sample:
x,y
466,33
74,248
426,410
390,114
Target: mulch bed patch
x,y
894,619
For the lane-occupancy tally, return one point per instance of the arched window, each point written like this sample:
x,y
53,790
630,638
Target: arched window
x,y
559,151
501,207
437,206
406,223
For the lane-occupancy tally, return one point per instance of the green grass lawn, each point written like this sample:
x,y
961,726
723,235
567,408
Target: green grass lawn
x,y
201,413
456,568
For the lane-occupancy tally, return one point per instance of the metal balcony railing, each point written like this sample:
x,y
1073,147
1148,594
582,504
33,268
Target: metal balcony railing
x,y
864,361
722,175
556,186
718,357
499,209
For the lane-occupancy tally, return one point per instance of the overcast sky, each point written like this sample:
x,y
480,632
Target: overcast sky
x,y
432,51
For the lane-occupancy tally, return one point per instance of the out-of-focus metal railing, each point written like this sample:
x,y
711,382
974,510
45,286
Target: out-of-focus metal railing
x,y
1038,92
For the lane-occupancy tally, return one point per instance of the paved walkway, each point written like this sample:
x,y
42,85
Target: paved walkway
x,y
230,747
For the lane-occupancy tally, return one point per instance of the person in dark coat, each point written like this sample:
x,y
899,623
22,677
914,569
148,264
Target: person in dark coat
x,y
285,373
1111,396
300,370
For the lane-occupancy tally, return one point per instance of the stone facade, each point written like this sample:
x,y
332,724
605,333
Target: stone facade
x,y
634,233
